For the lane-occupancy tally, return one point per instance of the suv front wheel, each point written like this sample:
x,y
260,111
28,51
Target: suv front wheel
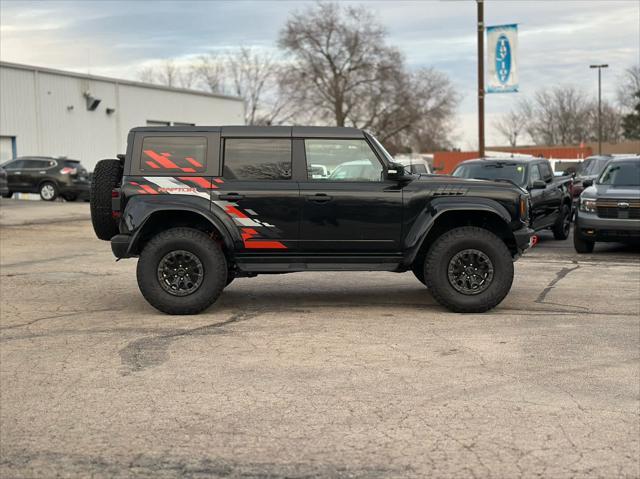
x,y
468,270
181,271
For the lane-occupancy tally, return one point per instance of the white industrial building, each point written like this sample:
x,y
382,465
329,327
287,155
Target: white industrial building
x,y
49,112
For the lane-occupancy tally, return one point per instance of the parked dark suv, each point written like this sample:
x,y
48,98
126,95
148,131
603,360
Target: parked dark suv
x,y
201,206
50,177
609,209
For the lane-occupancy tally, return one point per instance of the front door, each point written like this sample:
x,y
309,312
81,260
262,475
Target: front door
x,y
259,195
347,204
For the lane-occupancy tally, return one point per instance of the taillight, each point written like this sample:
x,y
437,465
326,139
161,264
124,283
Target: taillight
x,y
68,171
115,193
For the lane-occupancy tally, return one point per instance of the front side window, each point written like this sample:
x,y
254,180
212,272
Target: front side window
x,y
173,154
256,159
341,160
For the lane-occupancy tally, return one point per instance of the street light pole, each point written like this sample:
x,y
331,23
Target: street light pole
x,y
480,78
599,67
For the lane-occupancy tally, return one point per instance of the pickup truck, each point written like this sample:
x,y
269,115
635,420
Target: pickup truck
x,y
551,197
201,206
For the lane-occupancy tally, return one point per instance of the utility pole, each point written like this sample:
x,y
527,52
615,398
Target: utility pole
x,y
480,78
599,67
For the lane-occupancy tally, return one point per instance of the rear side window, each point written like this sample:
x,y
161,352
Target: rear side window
x,y
257,159
173,154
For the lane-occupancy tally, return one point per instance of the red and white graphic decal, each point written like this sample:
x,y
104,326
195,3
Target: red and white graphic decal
x,y
255,233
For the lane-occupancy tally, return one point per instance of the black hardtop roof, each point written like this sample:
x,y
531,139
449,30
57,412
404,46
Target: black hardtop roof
x,y
260,131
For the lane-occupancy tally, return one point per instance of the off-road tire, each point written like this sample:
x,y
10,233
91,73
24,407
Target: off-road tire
x,y
562,226
7,195
581,244
193,241
43,196
446,247
106,176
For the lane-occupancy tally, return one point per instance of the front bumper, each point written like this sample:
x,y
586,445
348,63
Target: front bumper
x,y
524,239
590,226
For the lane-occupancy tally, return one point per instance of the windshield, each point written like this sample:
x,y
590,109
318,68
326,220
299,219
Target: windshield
x,y
493,171
621,173
593,167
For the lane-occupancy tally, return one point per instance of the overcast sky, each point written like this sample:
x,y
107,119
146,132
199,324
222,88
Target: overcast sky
x,y
558,39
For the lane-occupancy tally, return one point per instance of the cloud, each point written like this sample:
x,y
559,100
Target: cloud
x,y
558,40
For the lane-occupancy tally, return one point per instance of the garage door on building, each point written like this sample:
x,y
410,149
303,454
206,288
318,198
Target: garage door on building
x,y
7,148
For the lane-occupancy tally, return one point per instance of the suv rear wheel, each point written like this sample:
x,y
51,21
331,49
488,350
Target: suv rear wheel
x,y
469,270
181,271
48,191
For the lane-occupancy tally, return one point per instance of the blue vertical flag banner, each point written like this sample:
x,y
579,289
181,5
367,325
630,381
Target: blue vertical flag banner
x,y
502,67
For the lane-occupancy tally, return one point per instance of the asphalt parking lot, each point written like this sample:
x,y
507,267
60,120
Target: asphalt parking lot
x,y
311,374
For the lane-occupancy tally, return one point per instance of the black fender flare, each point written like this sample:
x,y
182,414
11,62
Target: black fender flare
x,y
424,223
140,209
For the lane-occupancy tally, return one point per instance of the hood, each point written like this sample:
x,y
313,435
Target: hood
x,y
470,182
608,191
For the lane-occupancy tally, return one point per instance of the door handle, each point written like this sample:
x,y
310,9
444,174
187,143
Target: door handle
x,y
231,196
319,198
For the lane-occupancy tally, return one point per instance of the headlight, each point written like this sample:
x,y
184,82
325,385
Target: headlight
x,y
587,205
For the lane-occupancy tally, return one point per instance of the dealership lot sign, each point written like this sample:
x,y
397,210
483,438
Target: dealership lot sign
x,y
502,47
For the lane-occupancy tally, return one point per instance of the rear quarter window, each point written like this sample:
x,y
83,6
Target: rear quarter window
x,y
173,154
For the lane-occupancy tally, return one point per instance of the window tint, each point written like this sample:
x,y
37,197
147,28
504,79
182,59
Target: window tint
x,y
535,173
341,160
545,170
175,154
257,159
39,164
15,165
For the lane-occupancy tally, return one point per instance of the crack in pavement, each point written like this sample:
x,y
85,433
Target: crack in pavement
x,y
63,315
560,275
153,351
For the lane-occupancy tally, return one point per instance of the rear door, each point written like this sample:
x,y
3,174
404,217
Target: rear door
x,y
258,192
352,208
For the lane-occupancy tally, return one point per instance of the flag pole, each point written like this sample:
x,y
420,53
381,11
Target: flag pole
x,y
480,78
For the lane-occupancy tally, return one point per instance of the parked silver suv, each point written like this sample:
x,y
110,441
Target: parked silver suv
x,y
609,210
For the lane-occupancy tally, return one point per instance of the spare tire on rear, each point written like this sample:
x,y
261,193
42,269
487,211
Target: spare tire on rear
x,y
106,176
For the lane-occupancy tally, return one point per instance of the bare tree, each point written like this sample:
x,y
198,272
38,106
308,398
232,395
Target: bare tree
x,y
254,76
558,116
343,73
512,125
169,73
628,86
210,70
561,115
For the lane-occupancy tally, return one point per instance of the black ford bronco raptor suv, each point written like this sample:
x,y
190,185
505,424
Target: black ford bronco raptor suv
x,y
201,206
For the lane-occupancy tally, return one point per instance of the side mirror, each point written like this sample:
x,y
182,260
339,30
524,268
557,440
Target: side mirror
x,y
397,172
587,183
538,185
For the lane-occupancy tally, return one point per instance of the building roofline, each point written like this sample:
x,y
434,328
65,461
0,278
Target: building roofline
x,y
118,81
